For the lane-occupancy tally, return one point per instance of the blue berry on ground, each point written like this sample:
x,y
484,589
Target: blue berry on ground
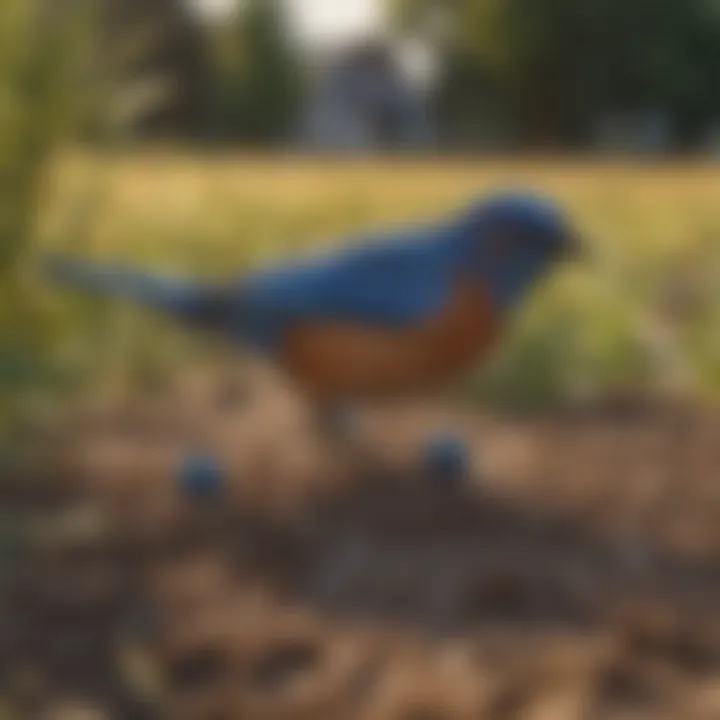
x,y
201,477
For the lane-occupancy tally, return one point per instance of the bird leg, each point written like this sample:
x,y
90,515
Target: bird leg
x,y
341,427
338,423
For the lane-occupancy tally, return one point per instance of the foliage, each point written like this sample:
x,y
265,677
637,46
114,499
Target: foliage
x,y
157,39
557,65
256,76
51,88
39,56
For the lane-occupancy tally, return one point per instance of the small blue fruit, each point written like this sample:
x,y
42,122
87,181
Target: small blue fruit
x,y
447,458
201,477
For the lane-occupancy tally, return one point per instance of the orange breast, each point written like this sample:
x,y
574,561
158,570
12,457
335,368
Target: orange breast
x,y
340,360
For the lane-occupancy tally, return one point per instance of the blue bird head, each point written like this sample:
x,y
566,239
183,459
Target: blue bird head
x,y
515,240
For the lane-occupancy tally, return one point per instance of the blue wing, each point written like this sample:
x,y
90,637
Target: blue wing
x,y
393,283
180,298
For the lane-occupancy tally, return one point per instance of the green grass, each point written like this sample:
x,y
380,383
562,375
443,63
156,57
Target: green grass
x,y
39,105
613,324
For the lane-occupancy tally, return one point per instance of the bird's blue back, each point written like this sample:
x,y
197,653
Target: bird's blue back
x,y
400,279
391,281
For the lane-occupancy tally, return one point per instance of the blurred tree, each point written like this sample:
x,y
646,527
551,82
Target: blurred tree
x,y
270,90
54,85
257,76
41,54
159,38
234,76
553,67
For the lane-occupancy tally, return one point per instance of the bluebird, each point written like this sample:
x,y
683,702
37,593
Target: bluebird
x,y
389,315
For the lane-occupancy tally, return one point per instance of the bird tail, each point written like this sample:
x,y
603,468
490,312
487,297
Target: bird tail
x,y
182,299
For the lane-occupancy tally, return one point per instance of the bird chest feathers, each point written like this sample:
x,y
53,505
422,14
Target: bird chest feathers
x,y
333,360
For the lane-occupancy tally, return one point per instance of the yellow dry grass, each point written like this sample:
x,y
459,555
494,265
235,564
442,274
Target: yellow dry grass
x,y
644,311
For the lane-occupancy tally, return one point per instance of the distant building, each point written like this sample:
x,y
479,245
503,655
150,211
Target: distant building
x,y
366,91
364,98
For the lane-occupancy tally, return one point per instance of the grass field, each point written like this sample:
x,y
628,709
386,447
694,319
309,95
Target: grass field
x,y
643,314
573,577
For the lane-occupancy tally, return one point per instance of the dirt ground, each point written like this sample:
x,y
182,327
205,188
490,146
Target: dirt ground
x,y
574,576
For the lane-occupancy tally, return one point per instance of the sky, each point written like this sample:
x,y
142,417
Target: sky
x,y
330,21
319,22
